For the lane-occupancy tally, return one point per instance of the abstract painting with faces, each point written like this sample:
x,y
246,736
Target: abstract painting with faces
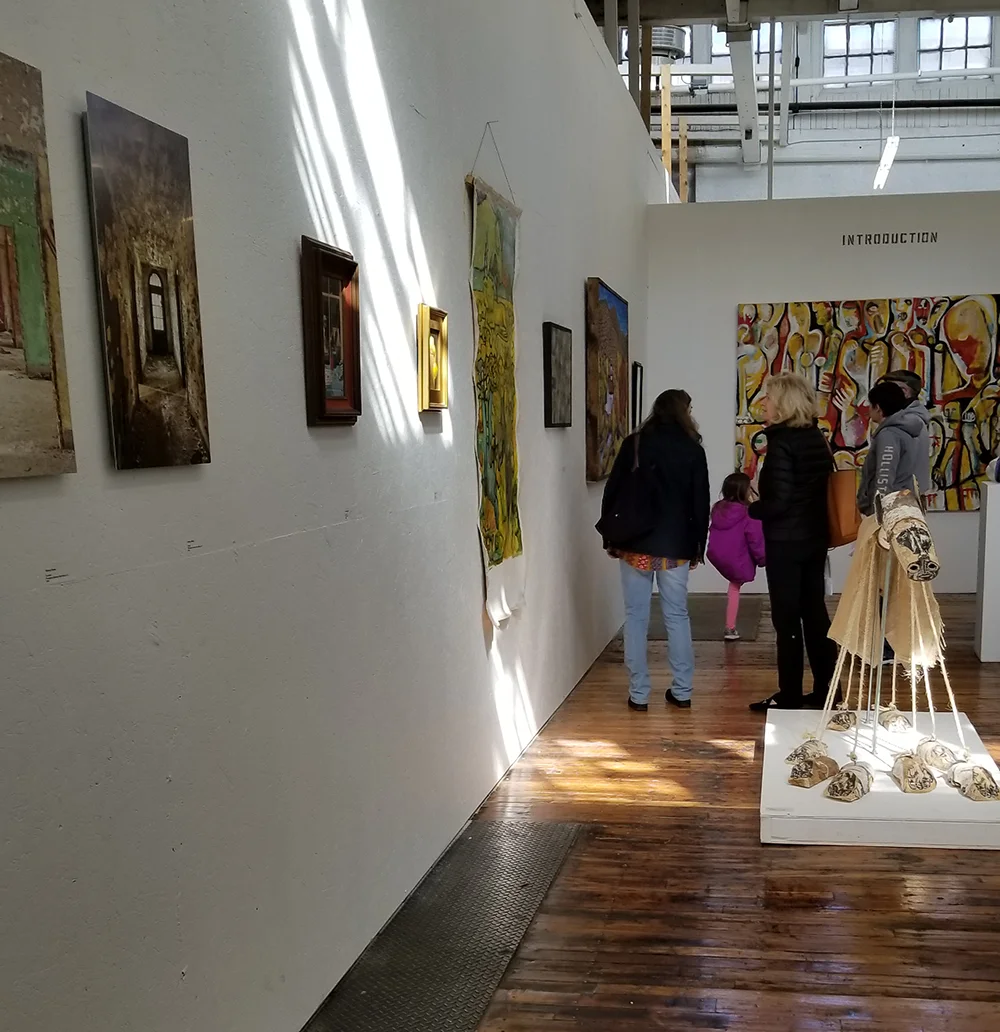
x,y
844,347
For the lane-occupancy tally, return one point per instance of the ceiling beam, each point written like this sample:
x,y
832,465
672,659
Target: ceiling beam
x,y
745,84
686,12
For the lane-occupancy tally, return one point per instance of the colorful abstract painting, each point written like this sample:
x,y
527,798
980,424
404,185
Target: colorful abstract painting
x,y
844,347
494,265
607,374
36,433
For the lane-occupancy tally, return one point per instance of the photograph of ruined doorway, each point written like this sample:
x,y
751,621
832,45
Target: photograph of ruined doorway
x,y
147,289
36,435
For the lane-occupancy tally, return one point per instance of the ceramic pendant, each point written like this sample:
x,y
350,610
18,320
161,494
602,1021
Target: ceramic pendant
x,y
843,720
813,771
937,755
974,782
912,775
806,751
853,782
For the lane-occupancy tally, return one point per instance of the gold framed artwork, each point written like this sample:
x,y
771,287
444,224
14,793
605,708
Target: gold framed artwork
x,y
432,358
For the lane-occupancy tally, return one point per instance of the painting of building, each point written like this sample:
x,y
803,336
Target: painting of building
x,y
36,433
844,347
607,377
148,289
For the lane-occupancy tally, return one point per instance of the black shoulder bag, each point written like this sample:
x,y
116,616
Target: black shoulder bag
x,y
628,513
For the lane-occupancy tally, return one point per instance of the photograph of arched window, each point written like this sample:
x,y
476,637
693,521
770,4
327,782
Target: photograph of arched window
x,y
152,332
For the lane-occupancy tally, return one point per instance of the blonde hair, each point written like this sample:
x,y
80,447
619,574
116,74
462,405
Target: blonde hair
x,y
794,400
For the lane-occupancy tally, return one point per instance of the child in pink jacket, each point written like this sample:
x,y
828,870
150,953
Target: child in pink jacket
x,y
735,543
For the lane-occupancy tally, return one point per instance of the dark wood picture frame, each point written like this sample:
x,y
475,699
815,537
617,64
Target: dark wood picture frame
x,y
637,377
550,332
320,261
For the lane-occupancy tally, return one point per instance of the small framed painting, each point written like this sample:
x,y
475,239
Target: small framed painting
x,y
331,333
432,359
557,344
637,374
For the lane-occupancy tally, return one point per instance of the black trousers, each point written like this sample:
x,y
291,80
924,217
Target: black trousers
x,y
795,582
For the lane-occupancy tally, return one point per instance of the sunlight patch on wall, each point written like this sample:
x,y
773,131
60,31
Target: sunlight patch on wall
x,y
353,180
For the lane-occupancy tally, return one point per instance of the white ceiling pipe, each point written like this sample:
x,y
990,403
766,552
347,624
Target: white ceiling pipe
x,y
887,77
761,71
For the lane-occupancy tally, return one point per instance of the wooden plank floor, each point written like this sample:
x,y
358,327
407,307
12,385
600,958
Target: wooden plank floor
x,y
671,915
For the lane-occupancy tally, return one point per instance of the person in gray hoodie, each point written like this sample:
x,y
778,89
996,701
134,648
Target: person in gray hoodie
x,y
896,456
912,387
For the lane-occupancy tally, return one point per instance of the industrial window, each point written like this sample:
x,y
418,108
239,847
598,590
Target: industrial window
x,y
858,48
761,43
720,56
955,43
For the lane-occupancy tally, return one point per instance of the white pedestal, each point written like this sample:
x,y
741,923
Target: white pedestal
x,y
886,816
987,642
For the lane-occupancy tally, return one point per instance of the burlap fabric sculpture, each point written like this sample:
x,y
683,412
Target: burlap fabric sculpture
x,y
852,783
813,771
913,619
806,751
937,755
974,782
894,561
842,720
912,775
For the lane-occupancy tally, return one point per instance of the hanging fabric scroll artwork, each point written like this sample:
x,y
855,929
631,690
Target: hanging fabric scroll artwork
x,y
494,268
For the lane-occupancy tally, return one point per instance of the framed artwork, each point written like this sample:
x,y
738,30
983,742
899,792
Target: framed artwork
x,y
432,359
637,375
331,331
36,433
143,223
607,377
844,347
557,345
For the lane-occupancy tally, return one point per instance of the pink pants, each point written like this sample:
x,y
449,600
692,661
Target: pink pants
x,y
732,606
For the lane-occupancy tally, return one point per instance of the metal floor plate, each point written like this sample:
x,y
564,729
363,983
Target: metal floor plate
x,y
437,964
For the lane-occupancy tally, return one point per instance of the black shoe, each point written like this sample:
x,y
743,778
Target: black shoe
x,y
639,707
774,702
679,703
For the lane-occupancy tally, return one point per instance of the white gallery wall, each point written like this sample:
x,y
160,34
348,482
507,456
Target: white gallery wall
x,y
706,259
260,700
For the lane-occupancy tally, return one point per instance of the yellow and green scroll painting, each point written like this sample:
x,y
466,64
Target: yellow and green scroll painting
x,y
494,242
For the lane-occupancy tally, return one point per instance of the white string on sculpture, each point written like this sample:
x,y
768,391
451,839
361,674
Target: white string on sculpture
x,y
888,598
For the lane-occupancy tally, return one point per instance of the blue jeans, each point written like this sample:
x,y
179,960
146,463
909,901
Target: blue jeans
x,y
637,589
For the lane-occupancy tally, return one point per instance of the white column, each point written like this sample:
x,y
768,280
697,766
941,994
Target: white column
x,y
987,643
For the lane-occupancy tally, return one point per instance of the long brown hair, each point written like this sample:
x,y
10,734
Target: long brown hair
x,y
673,408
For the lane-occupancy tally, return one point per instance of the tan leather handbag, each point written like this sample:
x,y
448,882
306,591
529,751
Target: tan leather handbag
x,y
842,506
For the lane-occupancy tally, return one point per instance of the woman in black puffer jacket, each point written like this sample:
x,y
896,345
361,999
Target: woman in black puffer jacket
x,y
793,510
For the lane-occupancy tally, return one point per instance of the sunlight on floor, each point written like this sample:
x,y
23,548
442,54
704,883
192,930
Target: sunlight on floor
x,y
743,749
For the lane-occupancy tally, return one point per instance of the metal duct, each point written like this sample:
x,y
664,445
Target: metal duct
x,y
669,43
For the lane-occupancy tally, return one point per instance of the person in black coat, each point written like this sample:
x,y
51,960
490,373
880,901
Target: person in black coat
x,y
793,510
655,521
